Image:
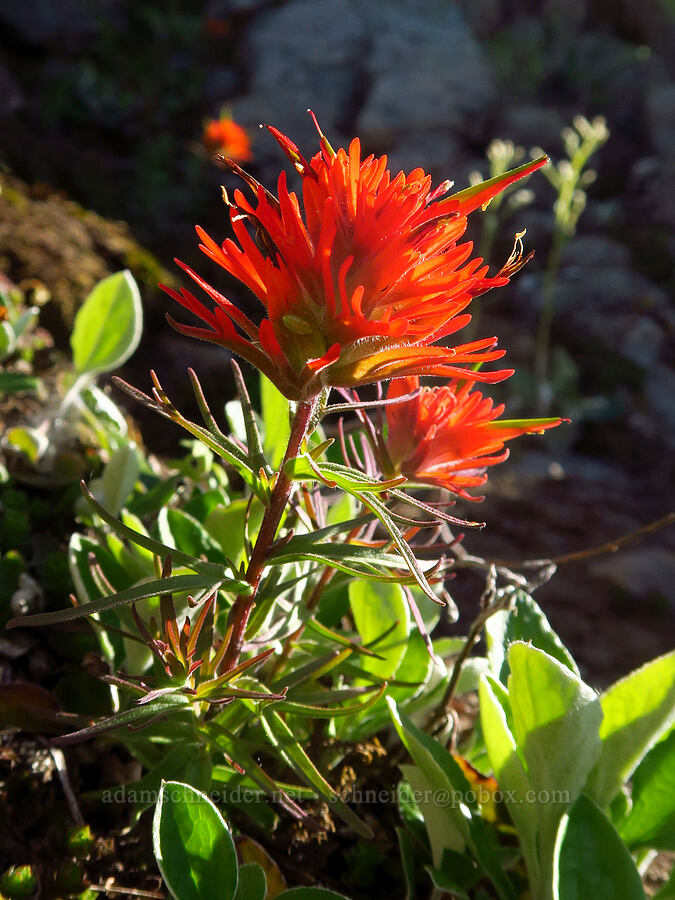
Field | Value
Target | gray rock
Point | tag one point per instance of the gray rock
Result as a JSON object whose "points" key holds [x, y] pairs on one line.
{"points": [[531, 125], [594, 250], [344, 59], [620, 309], [11, 95], [221, 9], [447, 79], [68, 22], [652, 183], [658, 394], [304, 54], [661, 118], [640, 572], [222, 82]]}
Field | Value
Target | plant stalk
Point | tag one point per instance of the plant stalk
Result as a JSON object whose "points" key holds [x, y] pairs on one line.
{"points": [[243, 605]]}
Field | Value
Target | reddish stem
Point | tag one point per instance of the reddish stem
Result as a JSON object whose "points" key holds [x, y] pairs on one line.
{"points": [[243, 605]]}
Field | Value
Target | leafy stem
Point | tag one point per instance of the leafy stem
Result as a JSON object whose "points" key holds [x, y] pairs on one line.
{"points": [[243, 605]]}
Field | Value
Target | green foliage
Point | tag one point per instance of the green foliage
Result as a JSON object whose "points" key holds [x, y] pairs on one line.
{"points": [[261, 609], [108, 325], [196, 855], [193, 847], [592, 859], [73, 416]]}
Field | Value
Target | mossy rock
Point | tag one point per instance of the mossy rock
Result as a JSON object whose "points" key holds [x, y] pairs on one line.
{"points": [[48, 238]]}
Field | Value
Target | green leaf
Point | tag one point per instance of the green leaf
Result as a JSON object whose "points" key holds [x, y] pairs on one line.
{"points": [[443, 830], [7, 340], [452, 793], [108, 325], [193, 847], [119, 477], [252, 883], [29, 441], [376, 608], [178, 529], [165, 703], [225, 524], [407, 852], [276, 421], [13, 382], [637, 710], [592, 860], [512, 778], [556, 718], [651, 822], [283, 739], [525, 622], [187, 583], [310, 893]]}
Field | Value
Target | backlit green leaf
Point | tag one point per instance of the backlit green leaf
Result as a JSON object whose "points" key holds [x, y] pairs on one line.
{"points": [[637, 710], [651, 822], [592, 860], [193, 847], [108, 325]]}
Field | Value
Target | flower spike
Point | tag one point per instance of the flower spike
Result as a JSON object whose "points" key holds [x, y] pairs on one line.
{"points": [[359, 276]]}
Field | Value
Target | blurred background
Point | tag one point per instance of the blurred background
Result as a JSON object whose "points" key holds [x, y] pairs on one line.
{"points": [[103, 106]]}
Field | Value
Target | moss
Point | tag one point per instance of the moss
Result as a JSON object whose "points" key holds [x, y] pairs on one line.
{"points": [[45, 236]]}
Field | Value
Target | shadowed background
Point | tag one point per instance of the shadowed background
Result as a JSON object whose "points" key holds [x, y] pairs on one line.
{"points": [[102, 104]]}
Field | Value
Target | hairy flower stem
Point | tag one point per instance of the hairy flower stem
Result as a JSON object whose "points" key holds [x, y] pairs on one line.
{"points": [[243, 605]]}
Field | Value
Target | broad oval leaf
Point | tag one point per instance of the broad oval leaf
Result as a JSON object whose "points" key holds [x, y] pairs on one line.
{"points": [[119, 477], [507, 766], [252, 884], [637, 710], [193, 847], [592, 860], [525, 622], [108, 325], [651, 822], [377, 607], [556, 720]]}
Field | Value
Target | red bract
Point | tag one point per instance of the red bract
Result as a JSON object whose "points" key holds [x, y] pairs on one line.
{"points": [[447, 436], [359, 282]]}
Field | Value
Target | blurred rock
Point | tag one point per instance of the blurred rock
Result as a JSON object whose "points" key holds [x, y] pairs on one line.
{"points": [[661, 118], [222, 82], [349, 73], [615, 307], [594, 251], [67, 23], [652, 187], [11, 96], [659, 393], [640, 572], [289, 72], [447, 78], [532, 126]]}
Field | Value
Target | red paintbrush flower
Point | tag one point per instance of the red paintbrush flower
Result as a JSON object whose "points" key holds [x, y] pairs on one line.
{"points": [[447, 436], [225, 136], [359, 281]]}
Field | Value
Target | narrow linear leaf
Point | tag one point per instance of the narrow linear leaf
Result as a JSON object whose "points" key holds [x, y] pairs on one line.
{"points": [[282, 737], [175, 583]]}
